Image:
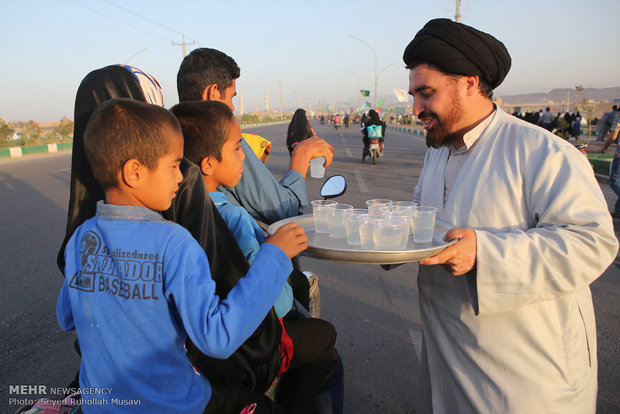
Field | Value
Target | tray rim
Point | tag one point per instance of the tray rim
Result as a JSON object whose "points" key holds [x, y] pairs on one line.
{"points": [[366, 256]]}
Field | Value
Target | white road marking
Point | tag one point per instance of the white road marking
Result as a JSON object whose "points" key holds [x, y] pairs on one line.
{"points": [[360, 181], [348, 151], [416, 340]]}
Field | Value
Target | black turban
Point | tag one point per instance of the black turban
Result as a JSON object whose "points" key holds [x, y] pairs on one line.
{"points": [[459, 49]]}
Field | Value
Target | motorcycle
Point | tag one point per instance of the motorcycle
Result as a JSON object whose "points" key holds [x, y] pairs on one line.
{"points": [[374, 150]]}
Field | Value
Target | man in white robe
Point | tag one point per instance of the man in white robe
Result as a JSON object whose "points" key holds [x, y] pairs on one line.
{"points": [[508, 320]]}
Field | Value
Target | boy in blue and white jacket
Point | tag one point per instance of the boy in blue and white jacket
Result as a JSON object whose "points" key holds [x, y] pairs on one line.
{"points": [[213, 140], [135, 285]]}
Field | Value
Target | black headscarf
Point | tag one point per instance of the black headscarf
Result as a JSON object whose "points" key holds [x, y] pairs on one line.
{"points": [[299, 128], [258, 360], [459, 49]]}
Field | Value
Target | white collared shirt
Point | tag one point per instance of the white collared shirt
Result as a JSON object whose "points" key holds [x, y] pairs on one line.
{"points": [[457, 158]]}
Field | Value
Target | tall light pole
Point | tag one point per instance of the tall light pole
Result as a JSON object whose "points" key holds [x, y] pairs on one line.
{"points": [[375, 54]]}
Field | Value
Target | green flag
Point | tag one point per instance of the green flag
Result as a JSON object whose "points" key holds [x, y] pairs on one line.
{"points": [[368, 104], [365, 92], [381, 102], [347, 103]]}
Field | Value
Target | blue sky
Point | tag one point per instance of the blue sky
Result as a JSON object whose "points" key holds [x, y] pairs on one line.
{"points": [[48, 46]]}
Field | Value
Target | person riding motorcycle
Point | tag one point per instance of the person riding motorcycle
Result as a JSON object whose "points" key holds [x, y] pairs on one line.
{"points": [[373, 119]]}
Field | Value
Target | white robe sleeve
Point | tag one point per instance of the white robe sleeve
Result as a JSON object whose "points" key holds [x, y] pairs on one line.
{"points": [[567, 244]]}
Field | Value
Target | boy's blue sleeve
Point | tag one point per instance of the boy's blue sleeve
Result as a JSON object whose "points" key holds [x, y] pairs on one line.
{"points": [[217, 327], [64, 314], [250, 237], [247, 233]]}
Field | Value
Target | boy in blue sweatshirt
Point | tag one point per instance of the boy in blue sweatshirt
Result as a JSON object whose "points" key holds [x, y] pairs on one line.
{"points": [[212, 138], [135, 285]]}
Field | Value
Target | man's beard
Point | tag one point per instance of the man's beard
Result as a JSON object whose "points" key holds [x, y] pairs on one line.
{"points": [[443, 129]]}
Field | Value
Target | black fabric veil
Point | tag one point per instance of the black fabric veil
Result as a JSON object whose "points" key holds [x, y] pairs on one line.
{"points": [[299, 128], [257, 361]]}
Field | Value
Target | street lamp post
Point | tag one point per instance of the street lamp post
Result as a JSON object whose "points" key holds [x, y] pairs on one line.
{"points": [[375, 54]]}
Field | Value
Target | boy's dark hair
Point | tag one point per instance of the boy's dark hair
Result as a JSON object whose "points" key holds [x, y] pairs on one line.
{"points": [[123, 129], [203, 67], [205, 126]]}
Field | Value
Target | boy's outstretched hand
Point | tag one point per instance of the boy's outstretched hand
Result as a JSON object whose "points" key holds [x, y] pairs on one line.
{"points": [[291, 238]]}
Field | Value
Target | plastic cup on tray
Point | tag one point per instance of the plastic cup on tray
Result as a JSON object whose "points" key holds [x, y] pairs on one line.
{"points": [[320, 214], [423, 224], [335, 221], [352, 224]]}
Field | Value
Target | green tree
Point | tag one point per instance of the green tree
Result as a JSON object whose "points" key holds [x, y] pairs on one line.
{"points": [[249, 119], [6, 133], [64, 129], [32, 132]]}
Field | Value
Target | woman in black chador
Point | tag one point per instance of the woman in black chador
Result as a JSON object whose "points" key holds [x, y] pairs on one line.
{"points": [[298, 130]]}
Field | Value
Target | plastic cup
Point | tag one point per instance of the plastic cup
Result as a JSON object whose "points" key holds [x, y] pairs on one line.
{"points": [[335, 221], [388, 233], [320, 213], [423, 224], [352, 225], [379, 206], [405, 217], [366, 230], [403, 206], [317, 170]]}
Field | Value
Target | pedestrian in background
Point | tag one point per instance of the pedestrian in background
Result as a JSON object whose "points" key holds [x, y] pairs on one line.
{"points": [[299, 129]]}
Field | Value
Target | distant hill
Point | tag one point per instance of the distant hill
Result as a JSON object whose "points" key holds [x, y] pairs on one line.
{"points": [[559, 95]]}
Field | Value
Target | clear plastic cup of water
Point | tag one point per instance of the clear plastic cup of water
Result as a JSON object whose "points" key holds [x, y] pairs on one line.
{"points": [[405, 217], [352, 225], [320, 213], [388, 233], [379, 206], [317, 170], [366, 230], [423, 224], [403, 205], [335, 221]]}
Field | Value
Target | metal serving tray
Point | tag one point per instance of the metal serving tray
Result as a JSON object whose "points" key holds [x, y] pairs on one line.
{"points": [[321, 246]]}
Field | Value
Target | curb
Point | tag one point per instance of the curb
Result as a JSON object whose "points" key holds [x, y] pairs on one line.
{"points": [[18, 152], [419, 132]]}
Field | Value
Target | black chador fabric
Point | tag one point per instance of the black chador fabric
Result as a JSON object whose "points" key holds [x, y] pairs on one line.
{"points": [[258, 360], [299, 128], [459, 49]]}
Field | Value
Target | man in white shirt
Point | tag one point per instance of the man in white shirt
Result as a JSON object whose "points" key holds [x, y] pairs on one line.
{"points": [[508, 320]]}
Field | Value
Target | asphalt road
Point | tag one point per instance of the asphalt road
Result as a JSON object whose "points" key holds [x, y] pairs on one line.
{"points": [[375, 311]]}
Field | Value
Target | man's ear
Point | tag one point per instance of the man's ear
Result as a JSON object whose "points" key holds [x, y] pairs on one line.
{"points": [[211, 93], [472, 84], [207, 166], [132, 173]]}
